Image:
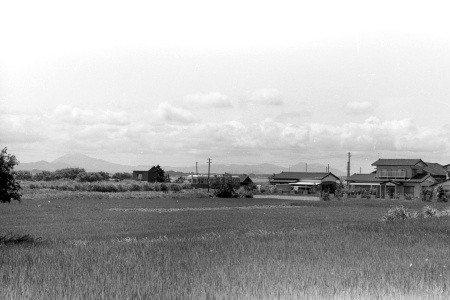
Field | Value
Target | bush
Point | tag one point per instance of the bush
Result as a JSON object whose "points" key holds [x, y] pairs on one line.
{"points": [[134, 187], [223, 186], [427, 194], [148, 187], [186, 186], [440, 193], [244, 193], [164, 187], [326, 196], [429, 211], [175, 187], [399, 213], [122, 176]]}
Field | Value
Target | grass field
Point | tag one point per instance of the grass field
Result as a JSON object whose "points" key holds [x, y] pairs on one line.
{"points": [[185, 247]]}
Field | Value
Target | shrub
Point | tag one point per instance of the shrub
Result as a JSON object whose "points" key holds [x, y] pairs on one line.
{"points": [[244, 193], [399, 213], [427, 194], [164, 187], [186, 186], [148, 187], [326, 196], [223, 186], [175, 187], [122, 176], [429, 211], [134, 187], [440, 193]]}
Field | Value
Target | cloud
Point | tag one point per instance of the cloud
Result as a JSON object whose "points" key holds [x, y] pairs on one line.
{"points": [[359, 107], [74, 115], [266, 96], [213, 99], [170, 113], [294, 115]]}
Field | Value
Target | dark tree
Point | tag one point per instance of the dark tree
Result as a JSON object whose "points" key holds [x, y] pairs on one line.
{"points": [[160, 174], [23, 175], [223, 186], [68, 173], [122, 176], [9, 187]]}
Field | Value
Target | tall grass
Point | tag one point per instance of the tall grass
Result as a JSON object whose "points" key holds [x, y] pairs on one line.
{"points": [[351, 262]]}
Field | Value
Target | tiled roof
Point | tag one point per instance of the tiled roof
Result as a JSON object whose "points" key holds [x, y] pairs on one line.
{"points": [[419, 178], [364, 178], [302, 175], [435, 169], [397, 162]]}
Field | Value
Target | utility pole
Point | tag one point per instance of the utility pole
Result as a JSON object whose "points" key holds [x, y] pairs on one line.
{"points": [[209, 169], [196, 167], [348, 165]]}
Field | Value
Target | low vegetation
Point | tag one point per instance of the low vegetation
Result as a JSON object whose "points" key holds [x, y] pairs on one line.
{"points": [[106, 186], [402, 213], [211, 248]]}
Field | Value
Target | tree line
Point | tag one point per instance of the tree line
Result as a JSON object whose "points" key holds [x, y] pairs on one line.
{"points": [[78, 174]]}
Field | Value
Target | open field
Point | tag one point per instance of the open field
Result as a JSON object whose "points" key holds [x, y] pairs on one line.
{"points": [[173, 247]]}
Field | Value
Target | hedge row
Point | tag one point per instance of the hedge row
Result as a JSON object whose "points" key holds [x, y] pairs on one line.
{"points": [[107, 186]]}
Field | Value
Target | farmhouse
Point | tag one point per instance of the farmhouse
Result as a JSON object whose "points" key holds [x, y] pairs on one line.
{"points": [[149, 175], [305, 182], [399, 178]]}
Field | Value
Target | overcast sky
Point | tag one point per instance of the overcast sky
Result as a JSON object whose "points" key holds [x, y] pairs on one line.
{"points": [[175, 82]]}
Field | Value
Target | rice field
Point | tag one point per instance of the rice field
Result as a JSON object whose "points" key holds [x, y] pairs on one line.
{"points": [[196, 247]]}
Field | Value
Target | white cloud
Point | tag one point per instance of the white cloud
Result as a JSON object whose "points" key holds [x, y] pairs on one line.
{"points": [[170, 113], [268, 96], [213, 99], [74, 115], [359, 107]]}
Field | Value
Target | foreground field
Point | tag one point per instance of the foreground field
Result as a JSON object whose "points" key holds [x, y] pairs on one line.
{"points": [[208, 248]]}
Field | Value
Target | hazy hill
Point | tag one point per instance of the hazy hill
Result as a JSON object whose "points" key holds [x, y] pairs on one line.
{"points": [[94, 165]]}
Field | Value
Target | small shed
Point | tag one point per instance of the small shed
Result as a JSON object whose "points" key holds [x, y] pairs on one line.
{"points": [[149, 176]]}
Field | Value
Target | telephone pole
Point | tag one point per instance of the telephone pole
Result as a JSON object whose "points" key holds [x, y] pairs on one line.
{"points": [[348, 165], [209, 169], [196, 168]]}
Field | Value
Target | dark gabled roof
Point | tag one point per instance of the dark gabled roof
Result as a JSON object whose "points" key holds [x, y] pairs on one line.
{"points": [[303, 175], [435, 169], [364, 178], [419, 178], [397, 162], [243, 178]]}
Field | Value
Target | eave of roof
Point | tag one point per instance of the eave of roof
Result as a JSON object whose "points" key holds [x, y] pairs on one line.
{"points": [[397, 162]]}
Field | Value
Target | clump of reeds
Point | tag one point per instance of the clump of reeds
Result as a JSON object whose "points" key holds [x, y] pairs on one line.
{"points": [[12, 238]]}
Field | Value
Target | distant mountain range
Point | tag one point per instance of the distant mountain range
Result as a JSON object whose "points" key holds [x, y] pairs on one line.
{"points": [[95, 165]]}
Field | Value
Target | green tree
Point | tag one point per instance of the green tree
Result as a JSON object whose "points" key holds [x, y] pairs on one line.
{"points": [[23, 175], [68, 173], [160, 174], [122, 176], [10, 189], [223, 186]]}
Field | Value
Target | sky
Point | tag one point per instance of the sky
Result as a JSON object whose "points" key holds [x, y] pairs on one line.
{"points": [[240, 82]]}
